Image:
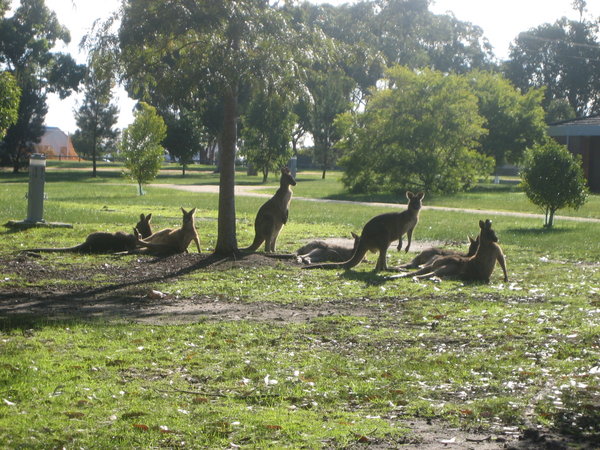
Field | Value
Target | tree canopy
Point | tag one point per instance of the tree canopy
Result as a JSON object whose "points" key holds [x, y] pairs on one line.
{"points": [[552, 179], [10, 96], [26, 42], [141, 147], [420, 132]]}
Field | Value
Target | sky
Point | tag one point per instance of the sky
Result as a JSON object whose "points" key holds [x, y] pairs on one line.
{"points": [[501, 21]]}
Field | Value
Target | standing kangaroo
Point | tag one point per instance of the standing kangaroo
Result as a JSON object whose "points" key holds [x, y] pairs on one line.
{"points": [[273, 214], [103, 242], [427, 256], [171, 240], [478, 267], [321, 251], [379, 232]]}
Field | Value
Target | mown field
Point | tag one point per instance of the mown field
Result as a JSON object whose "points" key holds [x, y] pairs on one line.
{"points": [[309, 358]]}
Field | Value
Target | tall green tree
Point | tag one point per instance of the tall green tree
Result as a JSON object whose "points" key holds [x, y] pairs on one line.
{"points": [[96, 118], [141, 146], [552, 179], [267, 131], [420, 132], [10, 96], [26, 42], [186, 50], [563, 57], [185, 138], [514, 120]]}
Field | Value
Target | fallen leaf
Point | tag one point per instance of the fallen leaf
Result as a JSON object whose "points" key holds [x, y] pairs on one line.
{"points": [[141, 426], [74, 414], [273, 427]]}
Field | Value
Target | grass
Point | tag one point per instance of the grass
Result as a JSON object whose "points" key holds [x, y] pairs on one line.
{"points": [[481, 357]]}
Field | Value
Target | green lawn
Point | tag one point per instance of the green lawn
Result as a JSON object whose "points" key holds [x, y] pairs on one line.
{"points": [[485, 358]]}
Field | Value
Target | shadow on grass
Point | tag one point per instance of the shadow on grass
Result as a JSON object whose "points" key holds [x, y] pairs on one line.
{"points": [[371, 278]]}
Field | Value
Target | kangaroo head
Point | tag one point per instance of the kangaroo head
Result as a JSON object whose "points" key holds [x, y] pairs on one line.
{"points": [[414, 200], [487, 233], [473, 245], [188, 216], [286, 177], [143, 226]]}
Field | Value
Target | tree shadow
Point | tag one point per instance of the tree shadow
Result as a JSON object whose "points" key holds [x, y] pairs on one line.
{"points": [[371, 278]]}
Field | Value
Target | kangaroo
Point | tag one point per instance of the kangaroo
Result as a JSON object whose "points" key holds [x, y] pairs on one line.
{"points": [[379, 232], [103, 242], [170, 241], [273, 214], [427, 256], [478, 267], [321, 251]]}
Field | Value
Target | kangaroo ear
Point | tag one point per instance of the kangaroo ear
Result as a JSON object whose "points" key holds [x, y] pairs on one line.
{"points": [[142, 217], [183, 210], [471, 240], [488, 223], [481, 224], [354, 235], [420, 195], [193, 211], [149, 217], [409, 195]]}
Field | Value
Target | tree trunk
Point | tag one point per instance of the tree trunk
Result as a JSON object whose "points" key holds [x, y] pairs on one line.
{"points": [[226, 230]]}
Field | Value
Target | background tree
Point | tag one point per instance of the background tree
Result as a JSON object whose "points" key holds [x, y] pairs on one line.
{"points": [[185, 136], [10, 96], [186, 50], [95, 119], [563, 57], [141, 146], [514, 121], [421, 132], [26, 41], [552, 179], [267, 131]]}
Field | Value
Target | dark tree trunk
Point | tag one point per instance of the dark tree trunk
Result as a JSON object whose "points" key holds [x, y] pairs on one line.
{"points": [[226, 237]]}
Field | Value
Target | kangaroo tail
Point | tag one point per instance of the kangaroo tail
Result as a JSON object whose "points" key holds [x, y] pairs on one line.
{"points": [[255, 244], [76, 248], [357, 257]]}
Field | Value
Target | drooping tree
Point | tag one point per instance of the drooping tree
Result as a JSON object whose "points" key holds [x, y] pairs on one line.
{"points": [[95, 119], [196, 49], [26, 42]]}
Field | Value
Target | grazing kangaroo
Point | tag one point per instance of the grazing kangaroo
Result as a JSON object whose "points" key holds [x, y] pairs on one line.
{"points": [[103, 242], [379, 232], [427, 256], [321, 251], [170, 241], [273, 214], [478, 267]]}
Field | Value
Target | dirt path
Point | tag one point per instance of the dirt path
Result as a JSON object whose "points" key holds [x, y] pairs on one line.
{"points": [[254, 191]]}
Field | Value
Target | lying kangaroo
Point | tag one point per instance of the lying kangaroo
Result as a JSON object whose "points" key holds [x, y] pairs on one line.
{"points": [[478, 267], [427, 256], [103, 242], [171, 240], [321, 251], [380, 232], [273, 214]]}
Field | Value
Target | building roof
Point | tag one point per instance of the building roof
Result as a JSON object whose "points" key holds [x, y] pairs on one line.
{"points": [[584, 126]]}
